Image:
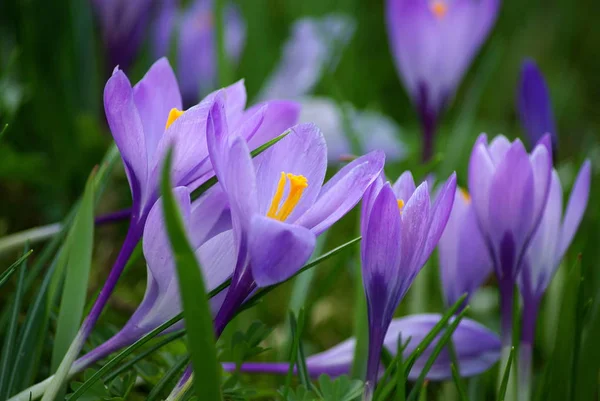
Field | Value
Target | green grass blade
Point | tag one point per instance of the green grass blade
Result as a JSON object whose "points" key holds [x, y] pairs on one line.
{"points": [[506, 375], [7, 360], [6, 274], [164, 381], [213, 180], [462, 395], [196, 309], [78, 255], [301, 359], [433, 334], [446, 336], [399, 378]]}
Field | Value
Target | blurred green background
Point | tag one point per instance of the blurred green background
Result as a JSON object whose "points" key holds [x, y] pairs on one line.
{"points": [[52, 72]]}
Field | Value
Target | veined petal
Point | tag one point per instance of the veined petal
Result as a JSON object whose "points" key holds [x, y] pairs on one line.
{"points": [[575, 208], [155, 95], [302, 152], [414, 234], [128, 132], [498, 148], [342, 192], [481, 172], [440, 212], [404, 186], [277, 250], [541, 166], [279, 116], [210, 216]]}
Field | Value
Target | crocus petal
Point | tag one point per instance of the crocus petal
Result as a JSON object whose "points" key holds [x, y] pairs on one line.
{"points": [[481, 171], [404, 186], [416, 211], [440, 212], [277, 250], [498, 148], [279, 116], [541, 164], [162, 35], [575, 207], [127, 130], [534, 106], [477, 349], [210, 216], [302, 152], [217, 257], [342, 192], [377, 131], [155, 95], [511, 203]]}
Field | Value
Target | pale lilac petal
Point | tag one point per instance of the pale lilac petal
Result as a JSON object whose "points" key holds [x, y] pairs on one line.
{"points": [[217, 257], [541, 164], [127, 130], [342, 192], [368, 199], [376, 131], [279, 116], [414, 213], [325, 114], [210, 216], [575, 208], [438, 218], [234, 97], [481, 172], [404, 186], [302, 152], [498, 148], [277, 250], [162, 35], [155, 95]]}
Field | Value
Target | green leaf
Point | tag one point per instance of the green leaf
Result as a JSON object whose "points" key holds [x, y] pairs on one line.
{"points": [[78, 258], [176, 369], [400, 377], [446, 336], [5, 276], [196, 309], [7, 358], [341, 389], [506, 375], [462, 395]]}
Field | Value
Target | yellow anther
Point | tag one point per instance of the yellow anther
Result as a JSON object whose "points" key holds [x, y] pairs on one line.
{"points": [[298, 184], [174, 114], [466, 196], [439, 8], [400, 205]]}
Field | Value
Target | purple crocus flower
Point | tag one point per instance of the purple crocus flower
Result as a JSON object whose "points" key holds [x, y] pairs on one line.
{"points": [[477, 349], [534, 106], [433, 42], [543, 257], [124, 25], [279, 204], [400, 228], [313, 48], [509, 189], [463, 257], [193, 31]]}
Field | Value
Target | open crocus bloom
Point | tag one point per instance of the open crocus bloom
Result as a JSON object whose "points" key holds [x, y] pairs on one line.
{"points": [[400, 228], [477, 349], [463, 257], [279, 203], [147, 119], [534, 105], [193, 29]]}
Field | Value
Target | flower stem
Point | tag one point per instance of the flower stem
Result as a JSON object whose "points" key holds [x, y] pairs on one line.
{"points": [[530, 312]]}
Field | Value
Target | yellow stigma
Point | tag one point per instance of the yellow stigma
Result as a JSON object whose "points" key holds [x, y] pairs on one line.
{"points": [[174, 114], [466, 196], [298, 184], [400, 205], [439, 8]]}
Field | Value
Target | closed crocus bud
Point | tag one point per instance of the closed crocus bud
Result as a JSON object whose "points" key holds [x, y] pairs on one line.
{"points": [[477, 349], [192, 30], [400, 227], [534, 105], [509, 190], [463, 257], [433, 43]]}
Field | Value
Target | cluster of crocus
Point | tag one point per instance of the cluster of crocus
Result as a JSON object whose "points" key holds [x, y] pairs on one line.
{"points": [[433, 42]]}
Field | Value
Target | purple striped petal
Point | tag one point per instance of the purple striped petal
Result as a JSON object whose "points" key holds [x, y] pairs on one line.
{"points": [[575, 207], [279, 116], [404, 186]]}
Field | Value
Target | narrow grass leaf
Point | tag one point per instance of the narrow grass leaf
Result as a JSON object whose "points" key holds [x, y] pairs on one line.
{"points": [[446, 336], [6, 275], [164, 381], [196, 309], [506, 375], [400, 379], [7, 358], [78, 257], [462, 395]]}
